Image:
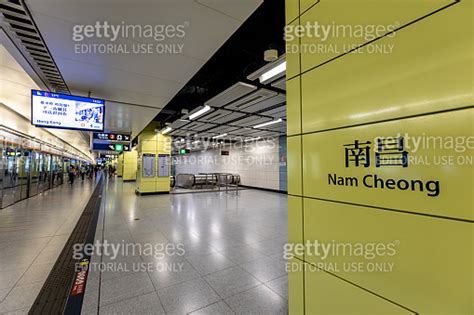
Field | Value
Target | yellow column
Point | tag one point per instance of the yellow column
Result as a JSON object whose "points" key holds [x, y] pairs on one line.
{"points": [[409, 83], [151, 146]]}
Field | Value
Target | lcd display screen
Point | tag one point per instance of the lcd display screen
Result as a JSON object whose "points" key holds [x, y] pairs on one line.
{"points": [[55, 110]]}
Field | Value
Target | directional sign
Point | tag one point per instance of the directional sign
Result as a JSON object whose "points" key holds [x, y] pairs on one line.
{"points": [[110, 147], [119, 137]]}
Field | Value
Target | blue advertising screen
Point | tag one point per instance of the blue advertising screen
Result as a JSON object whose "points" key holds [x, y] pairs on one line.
{"points": [[55, 110]]}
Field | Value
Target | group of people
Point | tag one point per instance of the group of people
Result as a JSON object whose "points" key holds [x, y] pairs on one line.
{"points": [[89, 171]]}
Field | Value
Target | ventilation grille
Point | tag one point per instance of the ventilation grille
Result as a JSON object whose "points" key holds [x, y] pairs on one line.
{"points": [[24, 32]]}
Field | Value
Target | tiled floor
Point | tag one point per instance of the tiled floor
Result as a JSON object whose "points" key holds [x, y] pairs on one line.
{"points": [[231, 264], [32, 234]]}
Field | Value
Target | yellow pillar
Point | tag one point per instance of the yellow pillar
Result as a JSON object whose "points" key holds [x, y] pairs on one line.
{"points": [[403, 86], [130, 165], [153, 149]]}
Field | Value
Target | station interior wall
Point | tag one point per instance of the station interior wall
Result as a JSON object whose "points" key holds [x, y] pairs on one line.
{"points": [[422, 87], [257, 163]]}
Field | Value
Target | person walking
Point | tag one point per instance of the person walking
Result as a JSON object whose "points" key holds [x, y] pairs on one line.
{"points": [[82, 172], [72, 174]]}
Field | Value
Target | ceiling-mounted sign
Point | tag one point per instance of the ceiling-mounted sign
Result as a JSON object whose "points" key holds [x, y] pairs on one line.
{"points": [[118, 147], [56, 110], [112, 136]]}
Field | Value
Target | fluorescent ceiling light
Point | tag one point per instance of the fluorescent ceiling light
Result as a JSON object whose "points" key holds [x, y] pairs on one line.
{"points": [[219, 136], [205, 109], [166, 130], [268, 123], [273, 72]]}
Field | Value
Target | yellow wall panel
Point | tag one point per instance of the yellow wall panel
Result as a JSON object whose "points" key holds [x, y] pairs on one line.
{"points": [[130, 165], [294, 165], [306, 4], [326, 294], [295, 221], [373, 18], [426, 72], [291, 10], [295, 287], [148, 146], [293, 54], [427, 262], [293, 106], [441, 172]]}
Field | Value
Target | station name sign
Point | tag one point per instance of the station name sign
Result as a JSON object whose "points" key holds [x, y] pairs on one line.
{"points": [[389, 152]]}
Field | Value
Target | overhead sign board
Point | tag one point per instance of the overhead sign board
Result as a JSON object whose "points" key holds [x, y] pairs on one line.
{"points": [[118, 147], [112, 136], [56, 110]]}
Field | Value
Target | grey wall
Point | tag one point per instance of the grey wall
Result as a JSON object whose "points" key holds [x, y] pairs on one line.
{"points": [[258, 163]]}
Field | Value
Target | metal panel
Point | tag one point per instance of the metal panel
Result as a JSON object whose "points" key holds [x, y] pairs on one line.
{"points": [[280, 84], [222, 129], [251, 99], [251, 121], [279, 112], [237, 90], [268, 103], [228, 118], [243, 132], [179, 123], [180, 133], [214, 116], [198, 126]]}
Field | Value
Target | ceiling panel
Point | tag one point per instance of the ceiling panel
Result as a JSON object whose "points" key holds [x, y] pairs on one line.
{"points": [[215, 115], [265, 134], [277, 127], [223, 129], [179, 123], [228, 118], [198, 126], [243, 103], [251, 121], [280, 84], [229, 7], [237, 90], [130, 78], [206, 134], [279, 112], [179, 133], [243, 131], [268, 103]]}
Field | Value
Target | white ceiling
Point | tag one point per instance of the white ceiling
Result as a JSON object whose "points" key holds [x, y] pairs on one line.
{"points": [[15, 92], [138, 85]]}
